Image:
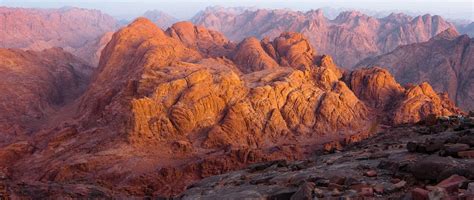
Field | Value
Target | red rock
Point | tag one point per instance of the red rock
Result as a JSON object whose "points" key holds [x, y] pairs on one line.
{"points": [[419, 194], [379, 189], [452, 183], [366, 192], [333, 186], [466, 154], [400, 184], [371, 173], [395, 180]]}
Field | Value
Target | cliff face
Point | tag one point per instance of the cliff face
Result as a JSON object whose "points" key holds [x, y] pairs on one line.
{"points": [[69, 28], [446, 62], [34, 85], [350, 37], [166, 108]]}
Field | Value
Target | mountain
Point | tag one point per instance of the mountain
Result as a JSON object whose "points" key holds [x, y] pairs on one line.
{"points": [[68, 28], [466, 29], [167, 108], [445, 61], [162, 19], [349, 38], [34, 85]]}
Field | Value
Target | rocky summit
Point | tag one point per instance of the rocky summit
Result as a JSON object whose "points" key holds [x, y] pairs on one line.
{"points": [[166, 108]]}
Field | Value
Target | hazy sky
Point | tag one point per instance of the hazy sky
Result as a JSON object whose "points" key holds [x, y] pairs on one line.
{"points": [[184, 9]]}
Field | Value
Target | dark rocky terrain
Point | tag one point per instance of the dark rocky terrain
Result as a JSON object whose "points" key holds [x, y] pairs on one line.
{"points": [[431, 160]]}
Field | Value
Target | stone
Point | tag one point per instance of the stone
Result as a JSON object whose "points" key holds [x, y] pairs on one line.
{"points": [[304, 192], [419, 194], [412, 146], [437, 193], [379, 188], [337, 180], [371, 173], [452, 183], [395, 180], [400, 184], [333, 186], [430, 168], [335, 193], [453, 149], [466, 154], [470, 188], [366, 192], [318, 193]]}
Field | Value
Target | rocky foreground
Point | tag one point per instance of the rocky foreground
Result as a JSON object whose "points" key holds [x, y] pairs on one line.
{"points": [[430, 161]]}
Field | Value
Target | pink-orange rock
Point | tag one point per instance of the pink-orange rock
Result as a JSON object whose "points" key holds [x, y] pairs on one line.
{"points": [[161, 113], [445, 62], [33, 86], [73, 29], [208, 42], [349, 38]]}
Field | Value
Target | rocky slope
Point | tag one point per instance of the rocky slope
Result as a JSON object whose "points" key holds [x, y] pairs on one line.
{"points": [[160, 18], [350, 37], [446, 62], [69, 28], [167, 108], [430, 161], [34, 85]]}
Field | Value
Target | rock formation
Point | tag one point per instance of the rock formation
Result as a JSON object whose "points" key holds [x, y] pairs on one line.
{"points": [[165, 108], [445, 61], [349, 38], [34, 85], [68, 28]]}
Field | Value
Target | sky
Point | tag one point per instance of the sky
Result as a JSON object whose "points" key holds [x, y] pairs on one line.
{"points": [[185, 9]]}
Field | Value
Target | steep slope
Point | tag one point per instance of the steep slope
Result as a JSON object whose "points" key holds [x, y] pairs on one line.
{"points": [[446, 62], [38, 29], [33, 86], [350, 37], [160, 18], [161, 113]]}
